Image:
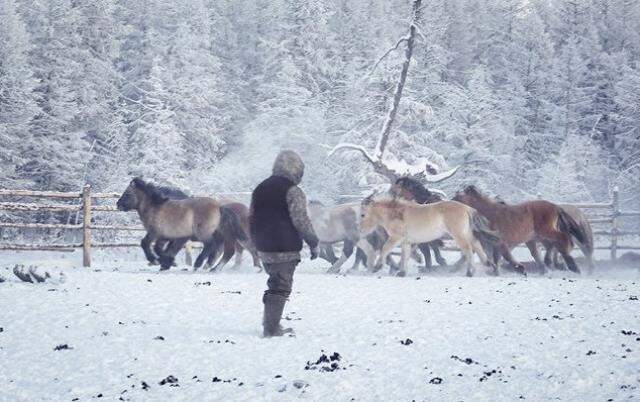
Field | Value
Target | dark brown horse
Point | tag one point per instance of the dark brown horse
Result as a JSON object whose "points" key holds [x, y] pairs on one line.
{"points": [[232, 244], [527, 223], [195, 218], [412, 190], [551, 256]]}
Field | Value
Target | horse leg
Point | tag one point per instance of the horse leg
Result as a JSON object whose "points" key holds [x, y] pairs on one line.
{"points": [[327, 253], [387, 248], [229, 251], [424, 248], [367, 255], [479, 250], [533, 249], [549, 254], [239, 251], [347, 249], [406, 251], [562, 242], [436, 253], [206, 250], [166, 260], [506, 253], [145, 243], [466, 248]]}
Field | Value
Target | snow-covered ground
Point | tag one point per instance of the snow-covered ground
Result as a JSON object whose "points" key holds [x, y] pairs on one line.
{"points": [[438, 337]]}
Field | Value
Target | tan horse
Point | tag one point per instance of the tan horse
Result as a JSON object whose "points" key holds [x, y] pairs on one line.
{"points": [[195, 218], [527, 223], [409, 223]]}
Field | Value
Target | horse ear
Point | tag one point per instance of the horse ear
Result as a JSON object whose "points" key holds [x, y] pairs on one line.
{"points": [[138, 182]]}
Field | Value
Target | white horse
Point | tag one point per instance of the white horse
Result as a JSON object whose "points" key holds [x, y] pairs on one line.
{"points": [[338, 224]]}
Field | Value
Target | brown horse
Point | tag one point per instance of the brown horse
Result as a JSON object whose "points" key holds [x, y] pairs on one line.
{"points": [[410, 223], [194, 218], [527, 223], [231, 244]]}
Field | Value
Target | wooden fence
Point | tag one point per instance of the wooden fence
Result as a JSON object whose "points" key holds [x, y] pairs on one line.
{"points": [[608, 214]]}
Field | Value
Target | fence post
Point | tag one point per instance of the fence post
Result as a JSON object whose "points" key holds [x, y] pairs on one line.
{"points": [[86, 226], [615, 205]]}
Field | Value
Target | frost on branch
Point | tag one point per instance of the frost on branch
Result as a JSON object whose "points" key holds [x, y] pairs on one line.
{"points": [[392, 168]]}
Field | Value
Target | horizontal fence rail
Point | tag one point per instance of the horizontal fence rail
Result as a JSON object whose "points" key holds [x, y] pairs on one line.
{"points": [[598, 213]]}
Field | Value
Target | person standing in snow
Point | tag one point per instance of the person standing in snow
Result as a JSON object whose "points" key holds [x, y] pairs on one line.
{"points": [[278, 224]]}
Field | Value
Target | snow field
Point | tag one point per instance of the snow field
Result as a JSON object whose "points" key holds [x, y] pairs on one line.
{"points": [[440, 337]]}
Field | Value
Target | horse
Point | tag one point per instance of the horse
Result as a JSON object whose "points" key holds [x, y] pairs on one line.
{"points": [[410, 223], [333, 225], [194, 218], [231, 244], [551, 255], [412, 190], [527, 223], [160, 245]]}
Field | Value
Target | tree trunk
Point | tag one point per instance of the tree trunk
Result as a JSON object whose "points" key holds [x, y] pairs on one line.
{"points": [[386, 128]]}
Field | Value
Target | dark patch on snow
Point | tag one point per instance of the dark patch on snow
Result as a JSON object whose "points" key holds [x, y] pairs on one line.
{"points": [[635, 298], [217, 379], [171, 380], [623, 332], [144, 386], [466, 360], [406, 342], [219, 341], [63, 346], [159, 338], [591, 352], [435, 380], [207, 283], [233, 292], [326, 363], [149, 280], [487, 374]]}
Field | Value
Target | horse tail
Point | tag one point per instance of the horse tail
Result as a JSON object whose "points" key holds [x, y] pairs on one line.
{"points": [[230, 224], [481, 229], [568, 225]]}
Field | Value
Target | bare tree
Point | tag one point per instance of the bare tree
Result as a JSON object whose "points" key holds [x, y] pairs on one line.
{"points": [[376, 160]]}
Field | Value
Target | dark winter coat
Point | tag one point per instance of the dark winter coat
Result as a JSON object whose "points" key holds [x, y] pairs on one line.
{"points": [[279, 221]]}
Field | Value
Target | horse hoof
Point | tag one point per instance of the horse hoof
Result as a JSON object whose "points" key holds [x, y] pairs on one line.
{"points": [[152, 263], [401, 274]]}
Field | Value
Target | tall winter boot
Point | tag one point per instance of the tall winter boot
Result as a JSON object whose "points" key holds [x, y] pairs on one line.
{"points": [[273, 308]]}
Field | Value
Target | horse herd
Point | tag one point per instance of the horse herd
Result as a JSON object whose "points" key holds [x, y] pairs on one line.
{"points": [[408, 215]]}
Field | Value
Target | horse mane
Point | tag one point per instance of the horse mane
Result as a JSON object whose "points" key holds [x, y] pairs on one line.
{"points": [[419, 191], [172, 193], [473, 191], [159, 194]]}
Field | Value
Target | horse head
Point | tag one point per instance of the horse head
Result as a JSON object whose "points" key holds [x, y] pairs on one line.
{"points": [[139, 190], [129, 200], [413, 190]]}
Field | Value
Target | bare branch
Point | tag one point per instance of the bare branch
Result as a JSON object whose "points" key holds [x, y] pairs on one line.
{"points": [[395, 47], [437, 178], [353, 147]]}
